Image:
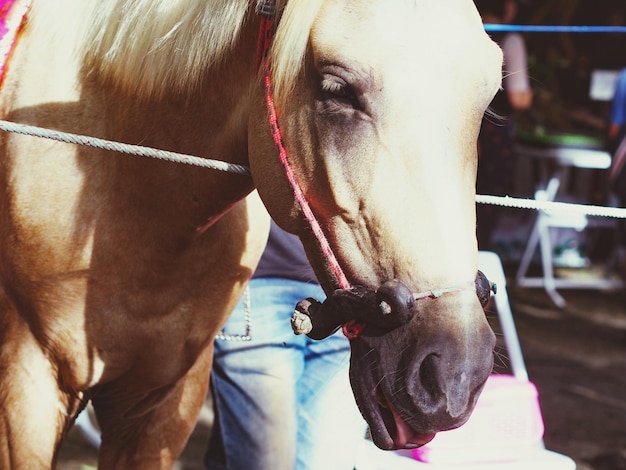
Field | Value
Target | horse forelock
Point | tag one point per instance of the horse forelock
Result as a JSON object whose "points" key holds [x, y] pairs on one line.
{"points": [[154, 47], [290, 42]]}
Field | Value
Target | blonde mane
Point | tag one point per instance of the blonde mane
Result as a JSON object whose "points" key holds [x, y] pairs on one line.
{"points": [[154, 47], [290, 43]]}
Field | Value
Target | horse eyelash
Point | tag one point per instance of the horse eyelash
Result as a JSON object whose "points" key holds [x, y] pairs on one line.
{"points": [[340, 94], [330, 86]]}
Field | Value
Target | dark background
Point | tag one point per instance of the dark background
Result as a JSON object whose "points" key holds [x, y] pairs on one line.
{"points": [[560, 64]]}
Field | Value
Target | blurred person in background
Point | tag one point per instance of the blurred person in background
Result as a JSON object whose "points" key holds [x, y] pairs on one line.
{"points": [[617, 142], [617, 124], [496, 159]]}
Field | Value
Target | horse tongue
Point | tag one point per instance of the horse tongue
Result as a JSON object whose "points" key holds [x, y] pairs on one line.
{"points": [[406, 437]]}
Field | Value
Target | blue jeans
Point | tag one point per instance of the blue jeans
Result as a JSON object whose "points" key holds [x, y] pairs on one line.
{"points": [[282, 401]]}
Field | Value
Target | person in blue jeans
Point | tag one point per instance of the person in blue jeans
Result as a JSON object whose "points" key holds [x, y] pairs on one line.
{"points": [[282, 401]]}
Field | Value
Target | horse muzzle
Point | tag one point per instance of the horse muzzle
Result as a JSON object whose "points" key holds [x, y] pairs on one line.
{"points": [[425, 376]]}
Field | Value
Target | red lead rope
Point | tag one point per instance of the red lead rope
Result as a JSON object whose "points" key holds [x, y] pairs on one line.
{"points": [[353, 328]]}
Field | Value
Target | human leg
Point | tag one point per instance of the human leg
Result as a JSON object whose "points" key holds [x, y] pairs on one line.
{"points": [[253, 382], [330, 427]]}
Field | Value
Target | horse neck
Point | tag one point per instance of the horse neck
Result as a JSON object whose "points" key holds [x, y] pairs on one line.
{"points": [[211, 122]]}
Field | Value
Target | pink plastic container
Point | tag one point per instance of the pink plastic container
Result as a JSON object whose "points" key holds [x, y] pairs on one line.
{"points": [[506, 423]]}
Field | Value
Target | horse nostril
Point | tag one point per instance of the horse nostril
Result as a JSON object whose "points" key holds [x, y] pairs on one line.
{"points": [[428, 377]]}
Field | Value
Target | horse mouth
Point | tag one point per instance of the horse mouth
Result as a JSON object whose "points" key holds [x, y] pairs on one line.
{"points": [[393, 432]]}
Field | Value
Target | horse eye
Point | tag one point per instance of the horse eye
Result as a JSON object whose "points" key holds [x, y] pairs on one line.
{"points": [[334, 87], [338, 93]]}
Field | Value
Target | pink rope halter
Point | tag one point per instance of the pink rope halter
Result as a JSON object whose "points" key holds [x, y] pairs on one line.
{"points": [[266, 9]]}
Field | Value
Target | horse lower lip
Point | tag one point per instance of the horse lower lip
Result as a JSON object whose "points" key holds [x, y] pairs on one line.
{"points": [[389, 430], [401, 435]]}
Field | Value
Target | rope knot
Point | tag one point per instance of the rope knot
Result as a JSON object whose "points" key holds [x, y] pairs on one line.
{"points": [[436, 293]]}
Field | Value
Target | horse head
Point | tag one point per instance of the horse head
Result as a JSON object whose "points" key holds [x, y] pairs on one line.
{"points": [[381, 122]]}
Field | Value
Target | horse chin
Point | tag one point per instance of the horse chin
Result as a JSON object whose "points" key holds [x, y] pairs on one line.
{"points": [[397, 420], [396, 431], [388, 429]]}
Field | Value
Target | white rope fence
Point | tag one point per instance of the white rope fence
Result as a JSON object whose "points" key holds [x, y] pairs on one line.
{"points": [[553, 206], [531, 204], [123, 148]]}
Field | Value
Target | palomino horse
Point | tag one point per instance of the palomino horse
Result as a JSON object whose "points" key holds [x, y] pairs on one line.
{"points": [[117, 272]]}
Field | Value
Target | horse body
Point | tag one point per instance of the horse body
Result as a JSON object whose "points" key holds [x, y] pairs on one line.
{"points": [[101, 290], [117, 272]]}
